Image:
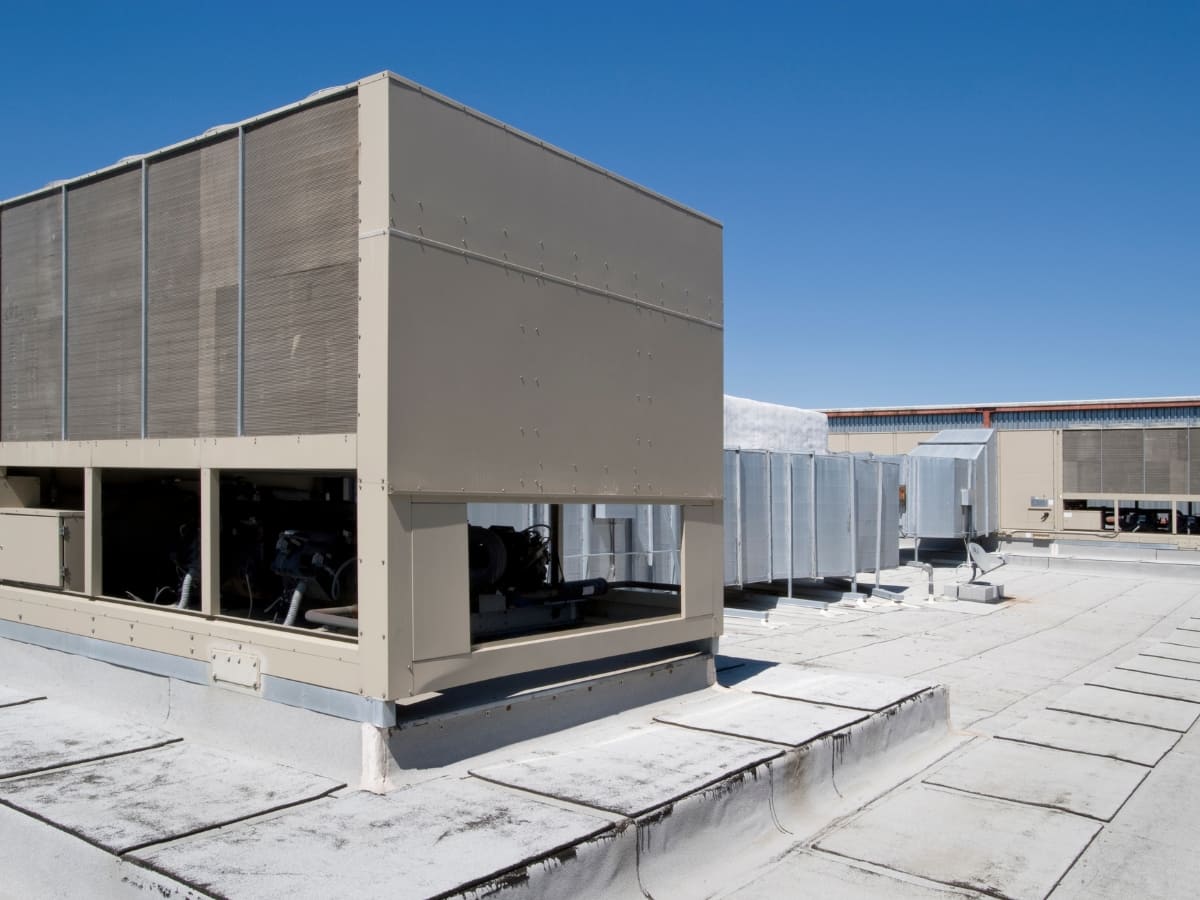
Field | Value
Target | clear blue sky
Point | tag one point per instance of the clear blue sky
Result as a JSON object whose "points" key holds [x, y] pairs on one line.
{"points": [[924, 202]]}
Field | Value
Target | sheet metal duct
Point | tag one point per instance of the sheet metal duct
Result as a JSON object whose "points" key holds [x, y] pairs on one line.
{"points": [[787, 515], [952, 486], [808, 515]]}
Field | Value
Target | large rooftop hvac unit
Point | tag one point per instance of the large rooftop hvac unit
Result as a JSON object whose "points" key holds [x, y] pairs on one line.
{"points": [[261, 375], [952, 489]]}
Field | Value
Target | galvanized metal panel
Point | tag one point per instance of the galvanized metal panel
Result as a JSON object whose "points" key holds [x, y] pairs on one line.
{"points": [[804, 518], [31, 313], [835, 550], [780, 519], [732, 514], [301, 272], [756, 516], [104, 309], [192, 302], [866, 511]]}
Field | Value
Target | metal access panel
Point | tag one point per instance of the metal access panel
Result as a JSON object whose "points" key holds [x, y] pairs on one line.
{"points": [[583, 313], [43, 547], [935, 495]]}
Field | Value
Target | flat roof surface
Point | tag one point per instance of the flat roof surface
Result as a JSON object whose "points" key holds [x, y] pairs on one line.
{"points": [[1070, 769]]}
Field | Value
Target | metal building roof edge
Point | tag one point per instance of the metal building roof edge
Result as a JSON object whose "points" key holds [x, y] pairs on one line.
{"points": [[1019, 406]]}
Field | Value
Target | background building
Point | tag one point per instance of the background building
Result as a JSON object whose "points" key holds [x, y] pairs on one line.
{"points": [[1127, 470]]}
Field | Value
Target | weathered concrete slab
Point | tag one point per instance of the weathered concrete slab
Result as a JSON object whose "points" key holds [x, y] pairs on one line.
{"points": [[1087, 734], [763, 718], [142, 798], [423, 841], [1123, 706], [1001, 848], [1151, 685], [831, 878], [1059, 779], [1174, 651], [46, 734], [1156, 665], [867, 692], [637, 771], [9, 697], [1183, 638], [1120, 865]]}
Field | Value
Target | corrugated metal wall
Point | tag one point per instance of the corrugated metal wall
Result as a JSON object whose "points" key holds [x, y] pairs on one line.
{"points": [[166, 240], [31, 320], [302, 272]]}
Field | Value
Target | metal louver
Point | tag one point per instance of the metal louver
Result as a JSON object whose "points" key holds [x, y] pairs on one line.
{"points": [[31, 313], [1166, 460], [301, 272], [1081, 460], [1121, 453], [192, 303], [104, 304]]}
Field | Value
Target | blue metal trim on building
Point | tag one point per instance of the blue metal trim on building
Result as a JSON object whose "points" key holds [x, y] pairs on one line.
{"points": [[1021, 420]]}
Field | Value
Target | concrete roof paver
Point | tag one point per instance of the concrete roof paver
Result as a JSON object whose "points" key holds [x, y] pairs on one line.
{"points": [[1086, 734], [418, 842], [1093, 786], [1126, 706], [762, 718], [47, 734], [140, 798], [636, 771], [963, 840]]}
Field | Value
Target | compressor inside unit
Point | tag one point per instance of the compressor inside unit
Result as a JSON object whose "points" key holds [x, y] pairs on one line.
{"points": [[286, 542]]}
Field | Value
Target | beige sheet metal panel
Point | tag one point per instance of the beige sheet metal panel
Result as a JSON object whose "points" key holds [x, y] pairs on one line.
{"points": [[441, 616], [573, 384], [42, 547], [1026, 471], [508, 385]]}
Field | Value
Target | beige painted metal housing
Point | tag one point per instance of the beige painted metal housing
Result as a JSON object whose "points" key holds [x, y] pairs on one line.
{"points": [[531, 328]]}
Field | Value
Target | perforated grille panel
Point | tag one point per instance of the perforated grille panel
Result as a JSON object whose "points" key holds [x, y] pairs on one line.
{"points": [[1123, 469], [301, 206], [193, 293], [31, 316], [1122, 462], [1081, 460], [1166, 461], [104, 308]]}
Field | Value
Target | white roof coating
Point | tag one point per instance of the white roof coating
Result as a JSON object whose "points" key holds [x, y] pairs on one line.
{"points": [[1061, 771], [755, 425]]}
